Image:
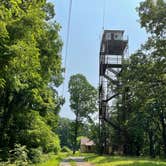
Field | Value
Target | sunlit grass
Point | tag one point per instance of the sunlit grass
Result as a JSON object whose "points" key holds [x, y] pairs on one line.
{"points": [[123, 161], [53, 160], [97, 160]]}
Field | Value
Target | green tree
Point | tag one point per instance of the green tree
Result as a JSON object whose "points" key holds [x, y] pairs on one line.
{"points": [[31, 70], [64, 131], [153, 19], [83, 101], [141, 110]]}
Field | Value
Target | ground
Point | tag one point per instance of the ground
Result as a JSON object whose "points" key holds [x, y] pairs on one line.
{"points": [[75, 161], [124, 161], [96, 160]]}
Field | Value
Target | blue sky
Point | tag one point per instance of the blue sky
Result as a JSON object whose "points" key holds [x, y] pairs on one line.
{"points": [[85, 35]]}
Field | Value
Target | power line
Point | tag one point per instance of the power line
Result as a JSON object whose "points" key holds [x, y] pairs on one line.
{"points": [[103, 19], [104, 9], [67, 44]]}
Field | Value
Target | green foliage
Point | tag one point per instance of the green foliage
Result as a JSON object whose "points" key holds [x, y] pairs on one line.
{"points": [[19, 156], [30, 72], [140, 112], [65, 149], [40, 135], [64, 131], [52, 159], [35, 155], [83, 96], [152, 16], [83, 102]]}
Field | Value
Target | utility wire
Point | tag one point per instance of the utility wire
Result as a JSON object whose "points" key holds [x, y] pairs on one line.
{"points": [[103, 19], [104, 9], [67, 44]]}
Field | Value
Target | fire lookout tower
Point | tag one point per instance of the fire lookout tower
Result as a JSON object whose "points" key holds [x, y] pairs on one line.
{"points": [[112, 51]]}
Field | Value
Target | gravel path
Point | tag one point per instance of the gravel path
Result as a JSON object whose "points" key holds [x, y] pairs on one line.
{"points": [[79, 161], [65, 162]]}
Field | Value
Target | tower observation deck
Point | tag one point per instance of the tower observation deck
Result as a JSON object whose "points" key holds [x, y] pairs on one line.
{"points": [[112, 51]]}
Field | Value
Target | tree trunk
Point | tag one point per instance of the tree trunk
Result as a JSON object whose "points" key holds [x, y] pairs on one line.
{"points": [[5, 118], [151, 144], [75, 133], [9, 108], [163, 131], [138, 149]]}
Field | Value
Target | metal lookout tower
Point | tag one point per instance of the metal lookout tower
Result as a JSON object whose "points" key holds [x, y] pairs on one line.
{"points": [[112, 52]]}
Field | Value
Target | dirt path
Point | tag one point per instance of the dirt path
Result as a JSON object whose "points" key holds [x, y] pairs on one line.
{"points": [[79, 161], [65, 162]]}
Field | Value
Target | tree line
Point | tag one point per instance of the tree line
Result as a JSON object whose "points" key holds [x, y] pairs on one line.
{"points": [[30, 71], [139, 114]]}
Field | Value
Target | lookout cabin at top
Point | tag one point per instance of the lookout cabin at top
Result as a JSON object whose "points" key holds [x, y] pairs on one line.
{"points": [[113, 42]]}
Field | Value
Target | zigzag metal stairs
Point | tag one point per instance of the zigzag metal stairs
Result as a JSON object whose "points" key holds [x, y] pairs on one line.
{"points": [[112, 50]]}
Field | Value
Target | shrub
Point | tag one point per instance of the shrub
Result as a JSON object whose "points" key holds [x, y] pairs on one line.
{"points": [[4, 154], [39, 135], [18, 155], [35, 155]]}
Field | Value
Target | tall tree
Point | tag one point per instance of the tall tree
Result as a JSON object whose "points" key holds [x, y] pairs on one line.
{"points": [[30, 64], [83, 101], [144, 88], [153, 19]]}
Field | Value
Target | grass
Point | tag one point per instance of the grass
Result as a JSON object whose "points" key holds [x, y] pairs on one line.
{"points": [[52, 160], [123, 161]]}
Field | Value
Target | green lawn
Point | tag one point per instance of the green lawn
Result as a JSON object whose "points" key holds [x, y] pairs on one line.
{"points": [[52, 160], [104, 160], [123, 161]]}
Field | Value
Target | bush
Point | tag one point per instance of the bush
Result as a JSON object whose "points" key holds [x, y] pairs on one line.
{"points": [[18, 155], [4, 154], [65, 149], [39, 135], [35, 155]]}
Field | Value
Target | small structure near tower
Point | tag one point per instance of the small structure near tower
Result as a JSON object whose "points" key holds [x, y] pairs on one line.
{"points": [[87, 145], [112, 51]]}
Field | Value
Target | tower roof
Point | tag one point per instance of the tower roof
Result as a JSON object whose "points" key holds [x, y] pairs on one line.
{"points": [[114, 31]]}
